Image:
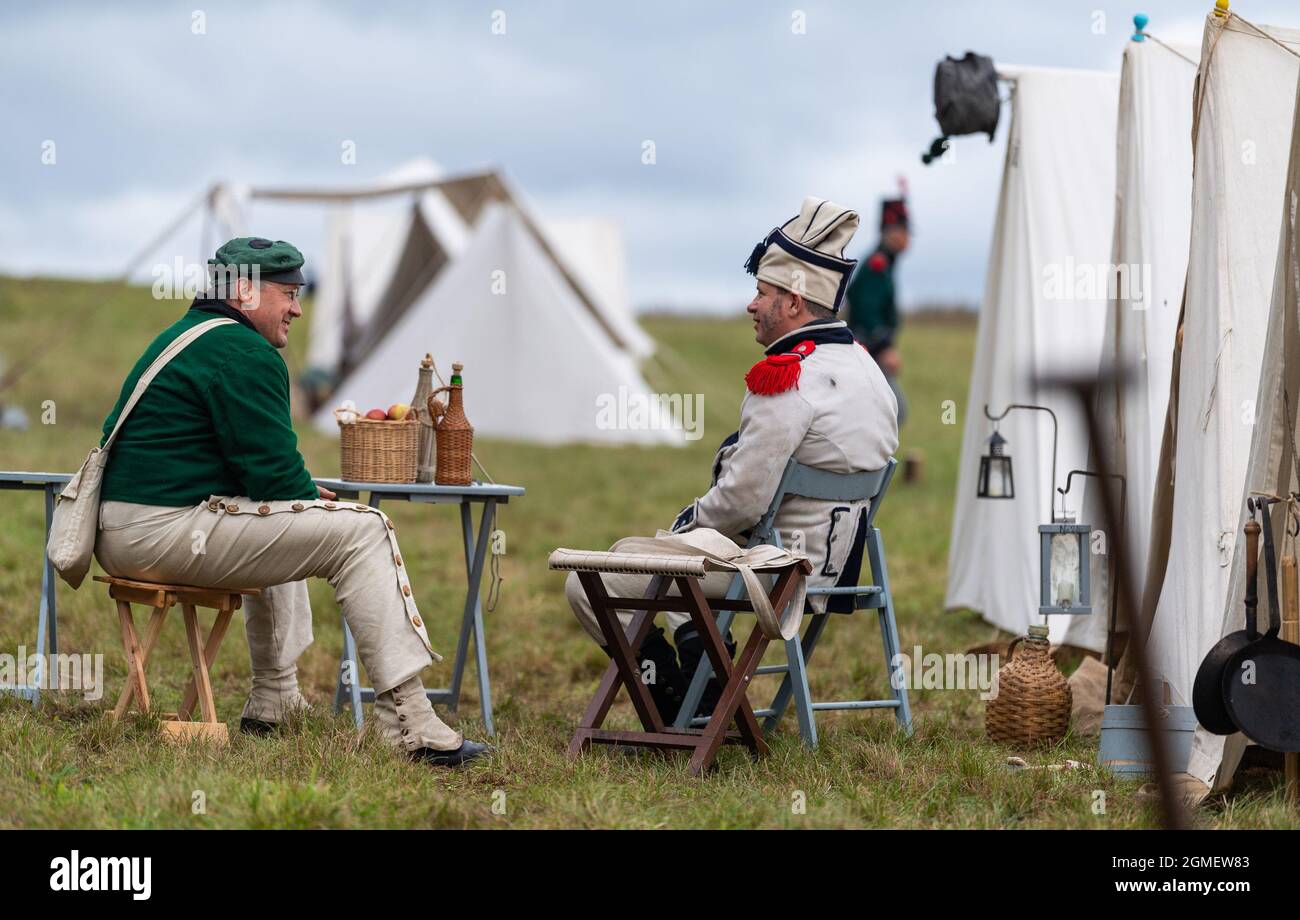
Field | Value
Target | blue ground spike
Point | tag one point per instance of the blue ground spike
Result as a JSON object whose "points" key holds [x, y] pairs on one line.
{"points": [[1139, 24]]}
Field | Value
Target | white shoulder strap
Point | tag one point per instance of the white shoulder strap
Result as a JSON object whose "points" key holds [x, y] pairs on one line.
{"points": [[175, 347]]}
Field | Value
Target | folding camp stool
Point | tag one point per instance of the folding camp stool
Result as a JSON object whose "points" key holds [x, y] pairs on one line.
{"points": [[685, 572], [162, 597], [809, 482]]}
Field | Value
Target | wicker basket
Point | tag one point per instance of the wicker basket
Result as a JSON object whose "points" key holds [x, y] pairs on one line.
{"points": [[375, 451], [1033, 699]]}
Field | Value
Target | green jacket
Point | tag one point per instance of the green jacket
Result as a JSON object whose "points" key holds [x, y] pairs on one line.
{"points": [[873, 316], [215, 421]]}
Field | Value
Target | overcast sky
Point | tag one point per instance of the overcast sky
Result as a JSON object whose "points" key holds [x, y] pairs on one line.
{"points": [[747, 115]]}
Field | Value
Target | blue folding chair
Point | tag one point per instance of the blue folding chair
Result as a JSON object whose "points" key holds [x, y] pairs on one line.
{"points": [[818, 484]]}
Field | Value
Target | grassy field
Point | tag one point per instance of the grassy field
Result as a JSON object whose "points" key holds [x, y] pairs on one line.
{"points": [[65, 765]]}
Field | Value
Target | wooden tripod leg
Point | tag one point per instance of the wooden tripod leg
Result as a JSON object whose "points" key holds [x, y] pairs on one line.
{"points": [[206, 704], [219, 626], [733, 694], [134, 657], [603, 699], [621, 650], [150, 637], [721, 661], [733, 697]]}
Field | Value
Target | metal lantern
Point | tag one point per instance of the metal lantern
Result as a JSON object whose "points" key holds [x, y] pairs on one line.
{"points": [[995, 479], [1064, 575]]}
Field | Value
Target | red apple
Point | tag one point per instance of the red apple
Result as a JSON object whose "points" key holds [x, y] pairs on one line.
{"points": [[378, 415]]}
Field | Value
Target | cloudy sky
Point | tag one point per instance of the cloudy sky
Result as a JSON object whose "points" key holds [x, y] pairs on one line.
{"points": [[750, 107]]}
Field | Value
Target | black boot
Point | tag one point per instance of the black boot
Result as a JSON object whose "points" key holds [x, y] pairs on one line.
{"points": [[667, 687], [690, 649]]}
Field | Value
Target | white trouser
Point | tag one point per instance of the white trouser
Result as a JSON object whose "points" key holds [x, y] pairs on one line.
{"points": [[232, 542]]}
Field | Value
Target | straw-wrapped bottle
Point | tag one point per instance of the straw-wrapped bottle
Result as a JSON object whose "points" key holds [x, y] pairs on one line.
{"points": [[454, 433], [1032, 705]]}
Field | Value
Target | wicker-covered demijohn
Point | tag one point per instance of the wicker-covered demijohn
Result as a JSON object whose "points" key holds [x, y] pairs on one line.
{"points": [[375, 451], [1032, 701], [455, 435]]}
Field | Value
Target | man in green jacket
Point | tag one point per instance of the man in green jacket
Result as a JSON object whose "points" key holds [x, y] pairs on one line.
{"points": [[205, 486], [873, 314]]}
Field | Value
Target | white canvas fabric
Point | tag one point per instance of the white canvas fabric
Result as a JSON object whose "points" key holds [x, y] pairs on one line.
{"points": [[593, 248], [1153, 215], [1054, 220], [538, 367], [379, 256], [1243, 122], [1226, 409]]}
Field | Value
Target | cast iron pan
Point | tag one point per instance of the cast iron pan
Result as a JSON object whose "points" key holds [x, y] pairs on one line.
{"points": [[1207, 690], [1261, 681]]}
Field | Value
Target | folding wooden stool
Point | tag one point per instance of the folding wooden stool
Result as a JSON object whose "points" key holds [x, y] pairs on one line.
{"points": [[685, 572], [162, 597]]}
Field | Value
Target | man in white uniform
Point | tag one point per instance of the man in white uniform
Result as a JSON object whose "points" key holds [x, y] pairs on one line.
{"points": [[817, 396]]}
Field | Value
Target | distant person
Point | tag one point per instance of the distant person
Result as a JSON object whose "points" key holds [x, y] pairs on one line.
{"points": [[205, 486], [816, 397], [873, 314]]}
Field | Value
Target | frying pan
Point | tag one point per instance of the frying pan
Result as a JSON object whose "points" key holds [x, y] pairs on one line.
{"points": [[1261, 681], [1207, 689]]}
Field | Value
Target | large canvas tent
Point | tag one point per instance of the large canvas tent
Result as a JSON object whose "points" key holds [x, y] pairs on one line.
{"points": [[1153, 215], [388, 241], [1243, 137], [538, 366], [379, 255], [1040, 314]]}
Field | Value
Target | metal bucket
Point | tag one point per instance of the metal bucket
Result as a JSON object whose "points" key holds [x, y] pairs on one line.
{"points": [[1124, 750]]}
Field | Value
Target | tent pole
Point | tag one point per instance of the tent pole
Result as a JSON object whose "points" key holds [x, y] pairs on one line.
{"points": [[161, 238]]}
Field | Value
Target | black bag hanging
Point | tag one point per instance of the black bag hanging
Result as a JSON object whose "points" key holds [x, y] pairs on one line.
{"points": [[966, 100]]}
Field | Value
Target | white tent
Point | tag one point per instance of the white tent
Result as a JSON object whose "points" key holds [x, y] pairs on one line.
{"points": [[1042, 313], [388, 241], [594, 248], [538, 365], [379, 256], [1243, 119], [1153, 215]]}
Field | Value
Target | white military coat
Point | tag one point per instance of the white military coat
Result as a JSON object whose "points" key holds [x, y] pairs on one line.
{"points": [[820, 398]]}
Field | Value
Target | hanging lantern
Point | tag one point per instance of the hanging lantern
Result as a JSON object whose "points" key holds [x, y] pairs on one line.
{"points": [[995, 479], [1064, 573]]}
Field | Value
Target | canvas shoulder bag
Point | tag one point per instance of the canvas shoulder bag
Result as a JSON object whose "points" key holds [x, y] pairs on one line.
{"points": [[76, 514]]}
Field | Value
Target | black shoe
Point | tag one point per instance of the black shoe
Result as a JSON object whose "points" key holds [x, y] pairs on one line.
{"points": [[668, 688], [468, 750], [690, 649], [257, 728]]}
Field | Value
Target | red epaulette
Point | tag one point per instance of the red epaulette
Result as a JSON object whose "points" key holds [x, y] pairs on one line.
{"points": [[778, 373]]}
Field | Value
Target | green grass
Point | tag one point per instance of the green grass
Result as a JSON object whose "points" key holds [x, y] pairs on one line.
{"points": [[65, 765]]}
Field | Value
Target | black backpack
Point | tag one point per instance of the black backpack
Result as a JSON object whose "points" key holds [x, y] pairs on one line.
{"points": [[966, 100]]}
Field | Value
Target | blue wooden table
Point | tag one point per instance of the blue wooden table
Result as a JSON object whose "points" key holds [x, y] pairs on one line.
{"points": [[426, 493], [47, 623]]}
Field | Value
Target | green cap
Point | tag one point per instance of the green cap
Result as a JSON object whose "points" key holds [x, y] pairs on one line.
{"points": [[274, 260]]}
